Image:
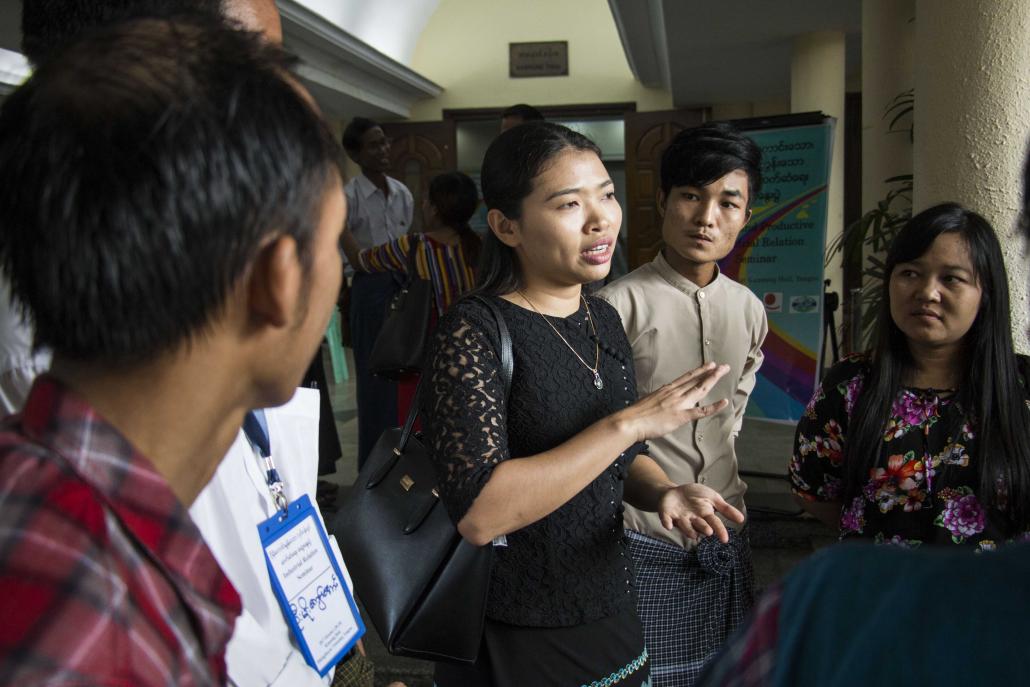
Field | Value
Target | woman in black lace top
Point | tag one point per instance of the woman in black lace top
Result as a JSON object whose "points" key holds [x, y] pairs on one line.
{"points": [[542, 471]]}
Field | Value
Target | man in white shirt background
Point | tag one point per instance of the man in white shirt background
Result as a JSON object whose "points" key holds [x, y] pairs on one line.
{"points": [[379, 209]]}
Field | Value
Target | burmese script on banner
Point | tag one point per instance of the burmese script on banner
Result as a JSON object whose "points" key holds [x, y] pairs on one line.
{"points": [[780, 257]]}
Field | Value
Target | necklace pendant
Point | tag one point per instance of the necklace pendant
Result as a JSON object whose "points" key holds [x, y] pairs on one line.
{"points": [[597, 380]]}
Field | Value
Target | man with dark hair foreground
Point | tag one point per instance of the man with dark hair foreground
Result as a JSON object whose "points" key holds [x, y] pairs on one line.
{"points": [[147, 231], [47, 26]]}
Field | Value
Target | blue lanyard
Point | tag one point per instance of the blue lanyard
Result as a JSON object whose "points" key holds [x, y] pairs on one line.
{"points": [[255, 426]]}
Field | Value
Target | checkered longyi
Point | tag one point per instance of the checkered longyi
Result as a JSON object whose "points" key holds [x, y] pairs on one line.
{"points": [[690, 601]]}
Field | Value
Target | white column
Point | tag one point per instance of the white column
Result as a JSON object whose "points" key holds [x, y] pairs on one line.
{"points": [[888, 38], [817, 83], [972, 80]]}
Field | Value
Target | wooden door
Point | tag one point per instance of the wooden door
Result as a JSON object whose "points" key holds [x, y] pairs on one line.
{"points": [[647, 134], [418, 152]]}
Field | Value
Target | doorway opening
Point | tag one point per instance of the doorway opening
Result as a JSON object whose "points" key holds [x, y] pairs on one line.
{"points": [[604, 124]]}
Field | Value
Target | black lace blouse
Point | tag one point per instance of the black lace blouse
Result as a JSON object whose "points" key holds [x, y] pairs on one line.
{"points": [[571, 567]]}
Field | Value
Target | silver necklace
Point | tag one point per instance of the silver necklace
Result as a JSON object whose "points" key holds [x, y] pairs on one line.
{"points": [[598, 383]]}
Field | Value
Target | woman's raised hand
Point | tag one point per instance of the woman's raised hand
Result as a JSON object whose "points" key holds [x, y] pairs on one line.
{"points": [[674, 404]]}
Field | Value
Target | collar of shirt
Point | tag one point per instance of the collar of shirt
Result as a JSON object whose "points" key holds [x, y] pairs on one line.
{"points": [[139, 497], [368, 188], [669, 274]]}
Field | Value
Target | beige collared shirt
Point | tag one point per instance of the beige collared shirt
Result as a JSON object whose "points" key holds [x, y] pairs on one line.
{"points": [[674, 326]]}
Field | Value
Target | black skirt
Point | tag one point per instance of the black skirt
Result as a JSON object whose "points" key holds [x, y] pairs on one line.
{"points": [[610, 649]]}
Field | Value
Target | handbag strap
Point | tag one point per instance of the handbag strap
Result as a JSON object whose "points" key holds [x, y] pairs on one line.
{"points": [[507, 367], [413, 245], [507, 361], [403, 279]]}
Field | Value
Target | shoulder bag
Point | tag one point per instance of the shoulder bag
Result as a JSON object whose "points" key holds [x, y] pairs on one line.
{"points": [[423, 586], [401, 342]]}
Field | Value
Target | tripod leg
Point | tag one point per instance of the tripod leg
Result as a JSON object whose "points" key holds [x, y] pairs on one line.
{"points": [[831, 324], [822, 352]]}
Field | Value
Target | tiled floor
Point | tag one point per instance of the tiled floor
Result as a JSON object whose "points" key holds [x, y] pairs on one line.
{"points": [[779, 542]]}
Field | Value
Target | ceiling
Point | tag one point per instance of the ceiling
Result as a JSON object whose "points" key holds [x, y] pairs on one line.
{"points": [[347, 73], [704, 52], [708, 53], [393, 27]]}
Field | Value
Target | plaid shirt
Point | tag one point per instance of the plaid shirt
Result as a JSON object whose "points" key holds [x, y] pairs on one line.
{"points": [[749, 656], [105, 578]]}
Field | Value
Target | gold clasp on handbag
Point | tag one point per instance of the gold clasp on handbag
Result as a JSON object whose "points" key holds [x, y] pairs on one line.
{"points": [[407, 483]]}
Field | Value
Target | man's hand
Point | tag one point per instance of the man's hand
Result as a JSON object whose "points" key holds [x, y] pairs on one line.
{"points": [[692, 509]]}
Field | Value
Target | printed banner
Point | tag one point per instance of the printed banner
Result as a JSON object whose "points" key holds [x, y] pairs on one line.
{"points": [[780, 257]]}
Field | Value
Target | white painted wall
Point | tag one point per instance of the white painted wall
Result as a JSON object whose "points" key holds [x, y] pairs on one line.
{"points": [[464, 48]]}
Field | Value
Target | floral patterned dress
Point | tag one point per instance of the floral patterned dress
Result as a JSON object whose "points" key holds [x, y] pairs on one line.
{"points": [[923, 489]]}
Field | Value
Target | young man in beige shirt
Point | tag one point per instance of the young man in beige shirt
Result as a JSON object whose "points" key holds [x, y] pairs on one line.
{"points": [[680, 312]]}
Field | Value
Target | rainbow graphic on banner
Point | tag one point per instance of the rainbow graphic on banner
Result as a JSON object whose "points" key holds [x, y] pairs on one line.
{"points": [[779, 256]]}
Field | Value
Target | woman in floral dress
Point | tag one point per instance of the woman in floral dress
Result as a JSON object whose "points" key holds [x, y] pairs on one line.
{"points": [[926, 439]]}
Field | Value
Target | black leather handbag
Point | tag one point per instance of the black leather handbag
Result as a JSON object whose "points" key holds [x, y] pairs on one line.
{"points": [[423, 586], [401, 342]]}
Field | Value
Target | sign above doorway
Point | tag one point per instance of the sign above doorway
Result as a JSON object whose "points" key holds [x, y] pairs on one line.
{"points": [[527, 60]]}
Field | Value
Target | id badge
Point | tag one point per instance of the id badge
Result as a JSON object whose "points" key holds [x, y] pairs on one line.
{"points": [[309, 585]]}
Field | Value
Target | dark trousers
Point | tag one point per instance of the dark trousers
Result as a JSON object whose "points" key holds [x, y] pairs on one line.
{"points": [[328, 441], [377, 397]]}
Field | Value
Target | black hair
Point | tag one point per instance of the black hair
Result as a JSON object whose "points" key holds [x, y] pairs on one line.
{"points": [[352, 134], [527, 113], [455, 198], [49, 25], [512, 162], [141, 170], [703, 154], [990, 392]]}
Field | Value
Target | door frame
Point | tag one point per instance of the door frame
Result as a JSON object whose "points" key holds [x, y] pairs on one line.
{"points": [[586, 111]]}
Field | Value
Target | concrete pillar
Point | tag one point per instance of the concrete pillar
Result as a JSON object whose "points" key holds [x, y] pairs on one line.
{"points": [[888, 38], [972, 80], [817, 83]]}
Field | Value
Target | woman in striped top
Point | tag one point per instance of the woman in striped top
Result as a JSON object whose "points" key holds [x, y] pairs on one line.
{"points": [[446, 255]]}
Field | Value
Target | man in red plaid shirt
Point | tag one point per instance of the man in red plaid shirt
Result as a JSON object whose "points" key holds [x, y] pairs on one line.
{"points": [[169, 213]]}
